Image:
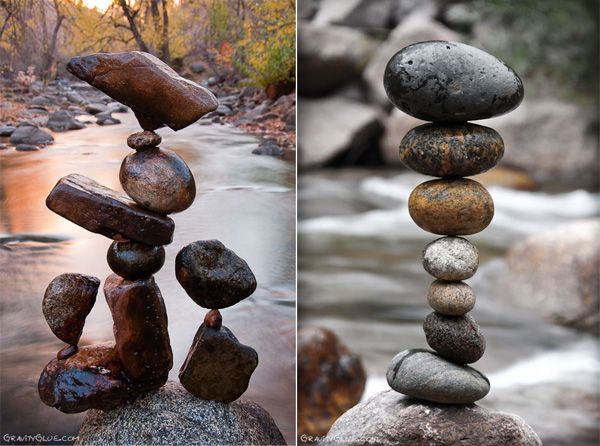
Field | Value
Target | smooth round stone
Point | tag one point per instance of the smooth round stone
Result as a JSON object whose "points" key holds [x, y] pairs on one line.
{"points": [[68, 300], [451, 207], [158, 180], [451, 82], [212, 275], [451, 150], [143, 140], [451, 298], [134, 260], [451, 258], [427, 376], [456, 338]]}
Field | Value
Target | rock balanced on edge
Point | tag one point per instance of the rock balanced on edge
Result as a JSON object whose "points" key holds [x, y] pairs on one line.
{"points": [[158, 182]]}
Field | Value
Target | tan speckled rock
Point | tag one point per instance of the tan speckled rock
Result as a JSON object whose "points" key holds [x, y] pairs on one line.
{"points": [[143, 140], [451, 207], [451, 258], [451, 298]]}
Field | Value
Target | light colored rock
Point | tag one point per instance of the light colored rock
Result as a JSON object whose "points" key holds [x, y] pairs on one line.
{"points": [[451, 298], [173, 416], [451, 258]]}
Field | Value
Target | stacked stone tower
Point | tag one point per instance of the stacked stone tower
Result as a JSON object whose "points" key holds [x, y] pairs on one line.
{"points": [[449, 84]]}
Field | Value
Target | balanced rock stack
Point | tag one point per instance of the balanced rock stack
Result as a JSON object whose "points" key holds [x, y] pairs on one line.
{"points": [[158, 182]]}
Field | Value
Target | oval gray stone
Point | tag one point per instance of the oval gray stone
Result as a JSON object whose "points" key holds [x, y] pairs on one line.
{"points": [[451, 258], [427, 376], [456, 338], [451, 82]]}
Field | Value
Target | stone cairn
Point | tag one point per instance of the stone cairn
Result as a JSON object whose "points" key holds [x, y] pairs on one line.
{"points": [[158, 183], [449, 84]]}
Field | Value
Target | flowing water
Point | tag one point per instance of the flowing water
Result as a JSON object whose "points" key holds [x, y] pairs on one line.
{"points": [[360, 274], [244, 200]]}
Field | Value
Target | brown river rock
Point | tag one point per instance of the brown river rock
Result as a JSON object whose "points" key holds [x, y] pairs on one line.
{"points": [[93, 378], [140, 326], [451, 150], [155, 92], [143, 140], [451, 298], [158, 180], [104, 211], [218, 367], [451, 207], [134, 260], [68, 300]]}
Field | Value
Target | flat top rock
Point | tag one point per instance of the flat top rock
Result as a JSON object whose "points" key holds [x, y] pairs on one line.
{"points": [[155, 92]]}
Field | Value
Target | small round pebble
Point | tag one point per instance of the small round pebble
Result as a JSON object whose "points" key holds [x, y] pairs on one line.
{"points": [[133, 260], [451, 258], [451, 207], [213, 319], [143, 140], [456, 338], [451, 298], [158, 180]]}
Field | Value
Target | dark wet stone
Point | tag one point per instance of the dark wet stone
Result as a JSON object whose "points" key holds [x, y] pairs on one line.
{"points": [[427, 376], [456, 338], [7, 130], [451, 207], [451, 298], [106, 118], [133, 260], [159, 97], [93, 378], [26, 148], [451, 150], [212, 275], [213, 319], [143, 140], [158, 180], [331, 380], [451, 82], [67, 352], [217, 367], [95, 108], [76, 198], [62, 121], [451, 258], [68, 300], [268, 147], [31, 135], [140, 326]]}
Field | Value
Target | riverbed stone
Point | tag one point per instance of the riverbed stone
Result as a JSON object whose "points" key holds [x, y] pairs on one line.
{"points": [[213, 275], [104, 211], [425, 375], [451, 207], [218, 367], [68, 300], [92, 378], [451, 258], [172, 416], [62, 121], [140, 326], [134, 260], [158, 180], [159, 97], [7, 130], [31, 135], [143, 140], [451, 298], [26, 148], [451, 82], [456, 338], [451, 150], [389, 418]]}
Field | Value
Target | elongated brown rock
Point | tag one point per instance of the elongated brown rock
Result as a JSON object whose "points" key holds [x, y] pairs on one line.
{"points": [[140, 326], [92, 378], [104, 211], [217, 367], [156, 93]]}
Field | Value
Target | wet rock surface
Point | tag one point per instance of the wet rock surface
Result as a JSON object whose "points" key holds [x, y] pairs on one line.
{"points": [[451, 298], [28, 134], [451, 82], [212, 275], [218, 367], [331, 380], [68, 300], [158, 180], [143, 140], [456, 338], [93, 378], [173, 416], [134, 260], [451, 258], [62, 121], [451, 207], [140, 326], [427, 376], [451, 150], [104, 211], [391, 419], [160, 97]]}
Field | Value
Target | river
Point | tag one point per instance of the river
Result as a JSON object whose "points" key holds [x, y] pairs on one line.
{"points": [[244, 200]]}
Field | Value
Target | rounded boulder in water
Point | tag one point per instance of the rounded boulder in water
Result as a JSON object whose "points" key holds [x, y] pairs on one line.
{"points": [[451, 82]]}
